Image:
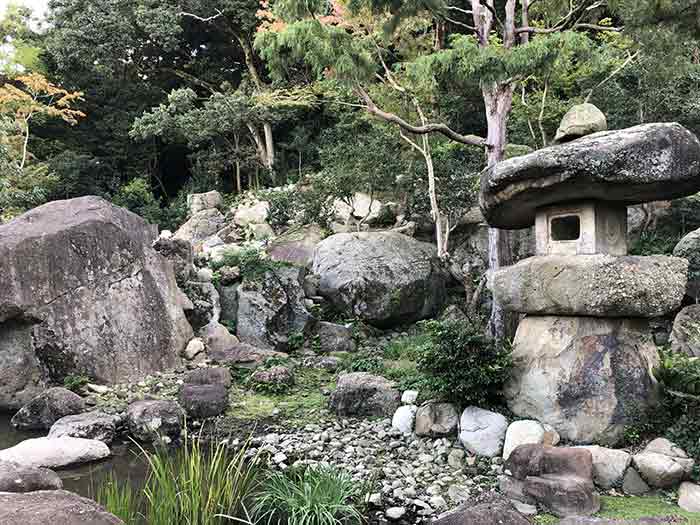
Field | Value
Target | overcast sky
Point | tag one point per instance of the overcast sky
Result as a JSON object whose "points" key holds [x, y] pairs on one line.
{"points": [[39, 6]]}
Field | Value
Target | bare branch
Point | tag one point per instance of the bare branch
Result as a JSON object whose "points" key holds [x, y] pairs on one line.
{"points": [[459, 9], [218, 14], [458, 23], [549, 30], [372, 109], [612, 75]]}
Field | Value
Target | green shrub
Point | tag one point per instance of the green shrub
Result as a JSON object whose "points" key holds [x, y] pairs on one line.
{"points": [[251, 260], [409, 347], [320, 495], [463, 366], [679, 373], [365, 362], [75, 383], [282, 206]]}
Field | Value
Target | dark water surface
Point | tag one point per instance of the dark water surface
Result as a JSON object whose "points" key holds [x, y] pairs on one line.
{"points": [[126, 462]]}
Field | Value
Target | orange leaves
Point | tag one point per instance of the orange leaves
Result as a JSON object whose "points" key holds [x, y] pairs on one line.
{"points": [[33, 94]]}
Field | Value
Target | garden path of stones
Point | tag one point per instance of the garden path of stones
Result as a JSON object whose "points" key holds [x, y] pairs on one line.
{"points": [[412, 477]]}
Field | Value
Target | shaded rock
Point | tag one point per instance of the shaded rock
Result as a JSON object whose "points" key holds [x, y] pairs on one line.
{"points": [[364, 207], [330, 364], [260, 232], [522, 433], [381, 277], [57, 507], [194, 348], [55, 452], [559, 479], [633, 484], [243, 355], [18, 478], [152, 420], [640, 164], [272, 308], [436, 419], [47, 408], [689, 248], [685, 336], [96, 300], [276, 377], [206, 305], [689, 497], [253, 213], [197, 202], [200, 227], [217, 337], [609, 465], [586, 377], [334, 337], [404, 418], [90, 425], [482, 432], [179, 252], [592, 285], [296, 245], [501, 512], [228, 297], [215, 375], [363, 394], [581, 120], [203, 401]]}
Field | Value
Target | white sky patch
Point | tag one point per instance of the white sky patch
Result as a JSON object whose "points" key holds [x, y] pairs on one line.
{"points": [[38, 6]]}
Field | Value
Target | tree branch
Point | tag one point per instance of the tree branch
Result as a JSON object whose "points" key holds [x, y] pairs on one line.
{"points": [[612, 75], [200, 18], [372, 109]]}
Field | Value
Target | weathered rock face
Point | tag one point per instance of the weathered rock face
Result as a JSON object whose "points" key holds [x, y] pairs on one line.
{"points": [[275, 377], [381, 277], [197, 202], [334, 337], [663, 464], [46, 408], [609, 465], [179, 252], [18, 478], [90, 425], [640, 164], [685, 336], [689, 497], [200, 226], [216, 375], [362, 394], [559, 479], [689, 248], [436, 419], [296, 246], [57, 507], [55, 452], [527, 432], [243, 355], [152, 420], [95, 299], [581, 120], [253, 213], [592, 285], [586, 377], [272, 308], [203, 401], [500, 512]]}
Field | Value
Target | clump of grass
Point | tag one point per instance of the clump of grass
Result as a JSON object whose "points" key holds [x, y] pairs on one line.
{"points": [[191, 486], [120, 499], [320, 495]]}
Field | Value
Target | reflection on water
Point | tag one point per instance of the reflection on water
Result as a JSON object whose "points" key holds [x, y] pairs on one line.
{"points": [[126, 462]]}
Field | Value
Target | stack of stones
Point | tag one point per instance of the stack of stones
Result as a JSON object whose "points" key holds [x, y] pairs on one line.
{"points": [[584, 354]]}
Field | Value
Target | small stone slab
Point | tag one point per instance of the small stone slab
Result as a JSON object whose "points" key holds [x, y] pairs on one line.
{"points": [[55, 507], [644, 163], [592, 285], [55, 452]]}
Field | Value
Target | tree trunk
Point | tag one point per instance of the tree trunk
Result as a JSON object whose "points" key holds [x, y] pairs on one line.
{"points": [[498, 99]]}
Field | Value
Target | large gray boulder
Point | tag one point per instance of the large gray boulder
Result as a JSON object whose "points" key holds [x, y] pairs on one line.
{"points": [[90, 425], [197, 202], [200, 226], [47, 408], [641, 164], [579, 121], [154, 420], [19, 478], [482, 432], [297, 245], [685, 335], [271, 308], [436, 419], [83, 292], [609, 465], [381, 277], [181, 255], [663, 464], [203, 401], [587, 377], [592, 285], [689, 497], [363, 394], [57, 507], [55, 452]]}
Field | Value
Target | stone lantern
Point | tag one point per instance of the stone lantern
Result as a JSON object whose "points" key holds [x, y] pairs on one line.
{"points": [[583, 353]]}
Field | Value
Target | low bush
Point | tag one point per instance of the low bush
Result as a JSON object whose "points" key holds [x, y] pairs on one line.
{"points": [[320, 495], [463, 366], [251, 261], [679, 373], [75, 383]]}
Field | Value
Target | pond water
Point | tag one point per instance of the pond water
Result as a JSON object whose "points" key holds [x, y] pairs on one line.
{"points": [[126, 462]]}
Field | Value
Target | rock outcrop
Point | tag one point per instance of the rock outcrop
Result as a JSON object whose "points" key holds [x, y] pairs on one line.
{"points": [[155, 420], [57, 507], [83, 292], [641, 164], [47, 408], [18, 478], [587, 377], [579, 121], [381, 277], [685, 335], [90, 425], [363, 394]]}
